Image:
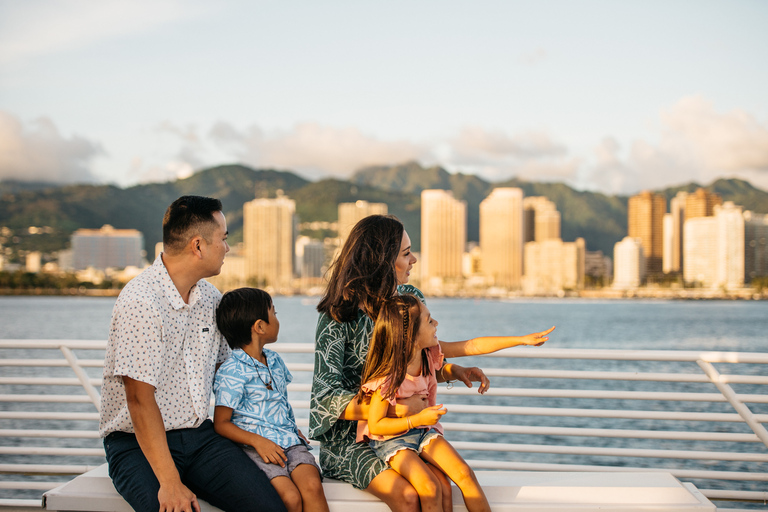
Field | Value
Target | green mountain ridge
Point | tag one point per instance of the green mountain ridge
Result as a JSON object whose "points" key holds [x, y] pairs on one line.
{"points": [[600, 219]]}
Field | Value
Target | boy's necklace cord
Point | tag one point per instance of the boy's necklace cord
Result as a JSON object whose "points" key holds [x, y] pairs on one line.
{"points": [[267, 385]]}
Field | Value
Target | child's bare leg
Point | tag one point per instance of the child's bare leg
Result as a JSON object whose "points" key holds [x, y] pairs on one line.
{"points": [[445, 487], [307, 479], [288, 492], [440, 453], [412, 468]]}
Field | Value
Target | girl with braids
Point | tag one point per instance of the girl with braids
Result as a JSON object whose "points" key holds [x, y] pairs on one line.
{"points": [[402, 361], [373, 267]]}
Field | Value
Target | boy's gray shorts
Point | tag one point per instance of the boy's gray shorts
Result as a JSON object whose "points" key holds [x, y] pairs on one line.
{"points": [[297, 454]]}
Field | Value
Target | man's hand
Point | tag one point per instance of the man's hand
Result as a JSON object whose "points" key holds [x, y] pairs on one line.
{"points": [[177, 498]]}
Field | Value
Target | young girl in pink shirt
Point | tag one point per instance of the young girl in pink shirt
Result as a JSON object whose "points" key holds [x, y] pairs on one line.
{"points": [[402, 360]]}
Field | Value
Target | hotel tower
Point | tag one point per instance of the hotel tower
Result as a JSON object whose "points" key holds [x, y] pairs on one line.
{"points": [[501, 237]]}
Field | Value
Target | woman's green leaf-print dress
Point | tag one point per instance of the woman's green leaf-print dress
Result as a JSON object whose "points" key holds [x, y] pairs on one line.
{"points": [[340, 351]]}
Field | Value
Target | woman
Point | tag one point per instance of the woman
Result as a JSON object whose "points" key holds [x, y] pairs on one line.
{"points": [[374, 264]]}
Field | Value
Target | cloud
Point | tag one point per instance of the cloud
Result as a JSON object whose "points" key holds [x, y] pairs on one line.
{"points": [[731, 141], [40, 153], [496, 155], [34, 27], [695, 143], [313, 149]]}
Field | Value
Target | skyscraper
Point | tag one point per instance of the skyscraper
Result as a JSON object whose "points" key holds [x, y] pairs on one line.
{"points": [[541, 219], [755, 245], [351, 213], [107, 248], [443, 236], [645, 219], [628, 263], [701, 204], [269, 232], [677, 213], [501, 237], [715, 248]]}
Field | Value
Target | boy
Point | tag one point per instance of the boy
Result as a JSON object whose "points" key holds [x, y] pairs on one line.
{"points": [[252, 406]]}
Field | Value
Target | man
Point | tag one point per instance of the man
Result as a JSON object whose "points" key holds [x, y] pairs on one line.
{"points": [[162, 354]]}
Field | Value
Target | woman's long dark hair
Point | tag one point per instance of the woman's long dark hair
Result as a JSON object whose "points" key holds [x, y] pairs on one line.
{"points": [[363, 275], [393, 343]]}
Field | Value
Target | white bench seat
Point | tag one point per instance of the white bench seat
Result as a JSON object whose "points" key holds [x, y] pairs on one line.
{"points": [[506, 490]]}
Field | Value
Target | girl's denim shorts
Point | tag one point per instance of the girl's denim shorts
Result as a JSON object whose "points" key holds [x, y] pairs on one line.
{"points": [[415, 439]]}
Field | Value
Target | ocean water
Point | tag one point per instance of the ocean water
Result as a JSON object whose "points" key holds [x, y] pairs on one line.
{"points": [[619, 324]]}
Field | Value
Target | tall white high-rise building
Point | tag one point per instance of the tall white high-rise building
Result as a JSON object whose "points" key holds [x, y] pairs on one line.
{"points": [[501, 237], [351, 213], [714, 248], [269, 232], [629, 267], [443, 237], [700, 251], [730, 245]]}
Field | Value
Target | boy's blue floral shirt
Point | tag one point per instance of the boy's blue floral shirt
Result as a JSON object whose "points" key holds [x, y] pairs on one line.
{"points": [[255, 408]]}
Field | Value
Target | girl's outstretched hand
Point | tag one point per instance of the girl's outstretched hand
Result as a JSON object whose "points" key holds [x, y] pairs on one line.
{"points": [[428, 416], [537, 338], [467, 375]]}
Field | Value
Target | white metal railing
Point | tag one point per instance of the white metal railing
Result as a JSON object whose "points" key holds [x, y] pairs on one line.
{"points": [[627, 412]]}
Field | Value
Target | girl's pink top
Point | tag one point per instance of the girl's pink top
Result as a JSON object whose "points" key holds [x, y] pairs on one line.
{"points": [[418, 385]]}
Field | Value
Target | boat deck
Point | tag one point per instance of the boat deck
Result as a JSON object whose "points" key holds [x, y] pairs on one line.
{"points": [[551, 414]]}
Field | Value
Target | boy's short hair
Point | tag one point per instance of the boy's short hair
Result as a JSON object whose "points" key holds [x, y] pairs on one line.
{"points": [[237, 312]]}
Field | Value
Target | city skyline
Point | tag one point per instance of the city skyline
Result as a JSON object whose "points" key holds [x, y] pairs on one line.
{"points": [[130, 92]]}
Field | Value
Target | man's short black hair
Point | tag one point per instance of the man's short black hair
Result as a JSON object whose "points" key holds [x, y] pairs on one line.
{"points": [[188, 216], [237, 312]]}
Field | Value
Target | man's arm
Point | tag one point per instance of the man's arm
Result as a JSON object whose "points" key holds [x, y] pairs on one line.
{"points": [[150, 434]]}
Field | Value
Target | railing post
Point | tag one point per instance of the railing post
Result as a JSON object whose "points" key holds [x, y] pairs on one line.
{"points": [[82, 376], [737, 404]]}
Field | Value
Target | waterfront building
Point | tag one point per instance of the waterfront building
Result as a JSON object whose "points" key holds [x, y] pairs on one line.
{"points": [[541, 220], [629, 268], [33, 262], [700, 251], [715, 246], [730, 245], [677, 212], [667, 242], [443, 236], [598, 267], [645, 221], [755, 245], [107, 248], [310, 257], [552, 266], [269, 232], [701, 204], [351, 213], [501, 237]]}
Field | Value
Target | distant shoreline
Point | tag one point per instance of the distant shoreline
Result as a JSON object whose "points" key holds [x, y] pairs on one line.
{"points": [[602, 293]]}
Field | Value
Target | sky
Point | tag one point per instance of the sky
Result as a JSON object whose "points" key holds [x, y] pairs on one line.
{"points": [[614, 96]]}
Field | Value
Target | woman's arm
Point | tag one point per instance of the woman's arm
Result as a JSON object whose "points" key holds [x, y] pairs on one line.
{"points": [[489, 344], [269, 451], [381, 425]]}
